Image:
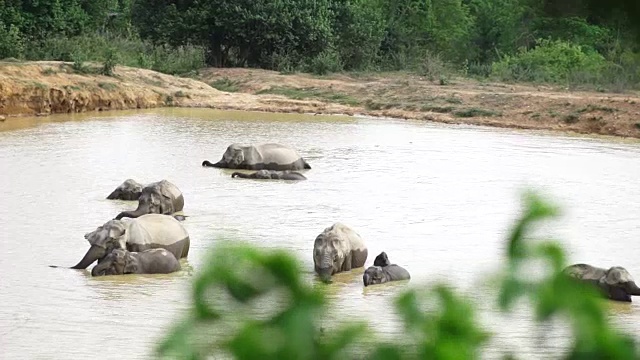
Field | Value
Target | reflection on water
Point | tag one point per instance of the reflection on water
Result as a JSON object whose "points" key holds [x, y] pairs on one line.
{"points": [[438, 199]]}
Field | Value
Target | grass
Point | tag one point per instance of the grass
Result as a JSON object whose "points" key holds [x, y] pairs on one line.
{"points": [[40, 85], [591, 107], [107, 86], [571, 118], [437, 109], [312, 93], [226, 84], [473, 112]]}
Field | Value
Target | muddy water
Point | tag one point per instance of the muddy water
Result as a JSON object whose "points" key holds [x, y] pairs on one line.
{"points": [[438, 199]]}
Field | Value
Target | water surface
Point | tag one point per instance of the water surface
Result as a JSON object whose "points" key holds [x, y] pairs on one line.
{"points": [[437, 198]]}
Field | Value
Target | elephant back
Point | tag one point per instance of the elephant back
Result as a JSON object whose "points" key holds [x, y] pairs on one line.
{"points": [[341, 237], [272, 153], [585, 272], [155, 231]]}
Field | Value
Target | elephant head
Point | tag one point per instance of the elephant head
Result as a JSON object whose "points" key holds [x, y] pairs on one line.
{"points": [[618, 284], [374, 275], [327, 257], [117, 262], [232, 158], [151, 201], [103, 240], [128, 190]]}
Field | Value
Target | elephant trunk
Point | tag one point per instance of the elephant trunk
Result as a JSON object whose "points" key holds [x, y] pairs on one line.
{"points": [[366, 278], [141, 210], [94, 253], [325, 274], [219, 164], [240, 175], [633, 289], [114, 195]]}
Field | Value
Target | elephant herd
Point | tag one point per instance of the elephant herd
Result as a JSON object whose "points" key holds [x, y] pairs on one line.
{"points": [[153, 240]]}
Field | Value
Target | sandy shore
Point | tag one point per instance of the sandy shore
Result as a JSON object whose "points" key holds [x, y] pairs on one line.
{"points": [[42, 88]]}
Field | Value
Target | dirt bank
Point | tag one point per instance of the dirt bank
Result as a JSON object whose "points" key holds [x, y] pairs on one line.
{"points": [[31, 88]]}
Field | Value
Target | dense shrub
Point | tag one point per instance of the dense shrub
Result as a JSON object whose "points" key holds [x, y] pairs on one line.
{"points": [[550, 60]]}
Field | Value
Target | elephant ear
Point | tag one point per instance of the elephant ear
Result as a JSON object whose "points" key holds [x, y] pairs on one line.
{"points": [[117, 233], [252, 155], [167, 198]]}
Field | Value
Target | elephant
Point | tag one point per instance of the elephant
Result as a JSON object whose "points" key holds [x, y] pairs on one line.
{"points": [[128, 190], [271, 174], [338, 248], [260, 157], [160, 197], [383, 271], [150, 261], [614, 283], [148, 231]]}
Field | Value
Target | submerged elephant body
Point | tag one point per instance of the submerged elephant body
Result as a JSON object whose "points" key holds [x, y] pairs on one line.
{"points": [[145, 232], [615, 283], [260, 157], [128, 190], [150, 261], [160, 197], [338, 248], [271, 174], [383, 271]]}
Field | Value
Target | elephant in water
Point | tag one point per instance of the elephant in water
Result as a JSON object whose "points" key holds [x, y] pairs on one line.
{"points": [[260, 157], [150, 261], [128, 190], [338, 248], [145, 232], [615, 283], [160, 197], [383, 271], [271, 174]]}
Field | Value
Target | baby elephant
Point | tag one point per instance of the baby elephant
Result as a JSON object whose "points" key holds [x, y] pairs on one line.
{"points": [[271, 174], [151, 261], [614, 283], [383, 271]]}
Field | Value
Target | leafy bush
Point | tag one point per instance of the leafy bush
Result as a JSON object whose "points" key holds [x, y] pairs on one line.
{"points": [[326, 62], [11, 42], [550, 60], [263, 310], [128, 52]]}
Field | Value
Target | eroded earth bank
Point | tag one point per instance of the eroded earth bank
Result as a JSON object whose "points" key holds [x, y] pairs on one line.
{"points": [[42, 88]]}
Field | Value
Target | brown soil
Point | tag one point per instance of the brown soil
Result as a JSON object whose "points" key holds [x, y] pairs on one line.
{"points": [[41, 88]]}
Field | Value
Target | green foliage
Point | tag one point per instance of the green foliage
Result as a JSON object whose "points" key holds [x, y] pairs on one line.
{"points": [[325, 62], [311, 93], [473, 112], [589, 42], [252, 304], [358, 29], [225, 84], [128, 52], [556, 294], [550, 60], [11, 42], [110, 61]]}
